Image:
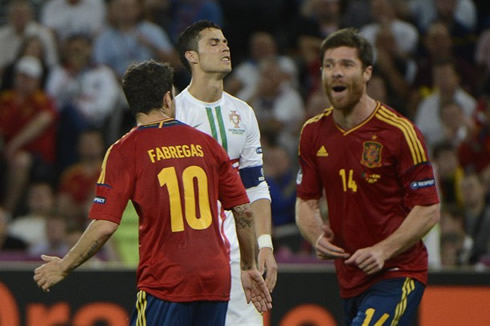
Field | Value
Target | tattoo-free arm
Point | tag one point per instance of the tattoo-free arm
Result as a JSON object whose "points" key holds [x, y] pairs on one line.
{"points": [[308, 219]]}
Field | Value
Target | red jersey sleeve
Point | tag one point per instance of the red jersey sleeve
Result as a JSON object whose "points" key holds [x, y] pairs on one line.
{"points": [[231, 191], [415, 170], [308, 181], [114, 186]]}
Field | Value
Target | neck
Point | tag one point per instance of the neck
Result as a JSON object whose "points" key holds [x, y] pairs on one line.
{"points": [[152, 116], [351, 117], [206, 88]]}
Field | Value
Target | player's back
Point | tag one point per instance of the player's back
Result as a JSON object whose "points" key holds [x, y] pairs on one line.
{"points": [[178, 174]]}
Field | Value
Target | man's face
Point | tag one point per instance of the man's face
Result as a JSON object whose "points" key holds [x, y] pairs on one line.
{"points": [[213, 52], [344, 77]]}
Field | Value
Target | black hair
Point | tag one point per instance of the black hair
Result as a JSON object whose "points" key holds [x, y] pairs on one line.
{"points": [[189, 39], [145, 84], [349, 37]]}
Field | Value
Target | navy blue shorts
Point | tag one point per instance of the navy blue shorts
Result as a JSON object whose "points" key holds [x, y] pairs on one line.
{"points": [[151, 311], [388, 302]]}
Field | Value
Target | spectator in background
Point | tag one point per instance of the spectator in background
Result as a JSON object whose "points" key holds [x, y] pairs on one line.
{"points": [[55, 242], [425, 12], [9, 242], [86, 95], [76, 185], [318, 18], [447, 88], [28, 128], [30, 46], [456, 126], [20, 25], [243, 81], [454, 242], [405, 34], [31, 226], [186, 12], [68, 17], [449, 173], [396, 67], [474, 153], [438, 45], [476, 216], [482, 58], [129, 38], [281, 178], [277, 104]]}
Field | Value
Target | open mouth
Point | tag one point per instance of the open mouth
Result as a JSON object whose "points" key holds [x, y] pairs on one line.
{"points": [[339, 89]]}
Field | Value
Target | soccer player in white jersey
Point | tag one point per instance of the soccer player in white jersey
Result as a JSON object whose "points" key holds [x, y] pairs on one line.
{"points": [[204, 51]]}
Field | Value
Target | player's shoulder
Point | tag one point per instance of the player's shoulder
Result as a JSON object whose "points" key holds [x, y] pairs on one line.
{"points": [[316, 120], [393, 119], [237, 103]]}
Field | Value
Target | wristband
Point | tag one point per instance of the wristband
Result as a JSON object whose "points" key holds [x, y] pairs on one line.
{"points": [[265, 241]]}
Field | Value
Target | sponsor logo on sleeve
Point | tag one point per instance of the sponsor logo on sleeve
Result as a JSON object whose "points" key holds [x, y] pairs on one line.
{"points": [[422, 184], [99, 200], [258, 150], [299, 177]]}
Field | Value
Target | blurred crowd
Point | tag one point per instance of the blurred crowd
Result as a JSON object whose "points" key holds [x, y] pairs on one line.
{"points": [[61, 104]]}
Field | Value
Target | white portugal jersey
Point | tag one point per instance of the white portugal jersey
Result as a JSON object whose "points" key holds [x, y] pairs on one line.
{"points": [[233, 124]]}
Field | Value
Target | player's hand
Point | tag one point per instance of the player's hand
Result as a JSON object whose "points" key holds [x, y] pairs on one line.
{"points": [[370, 260], [267, 263], [49, 273], [255, 290], [324, 247]]}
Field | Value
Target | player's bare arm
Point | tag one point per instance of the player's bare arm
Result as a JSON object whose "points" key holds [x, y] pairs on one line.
{"points": [[266, 261], [416, 225], [56, 269], [311, 226], [253, 284]]}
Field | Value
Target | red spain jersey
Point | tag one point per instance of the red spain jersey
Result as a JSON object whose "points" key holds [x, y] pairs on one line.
{"points": [[174, 175], [372, 175]]}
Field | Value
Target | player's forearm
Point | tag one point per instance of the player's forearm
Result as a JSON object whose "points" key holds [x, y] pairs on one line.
{"points": [[244, 221], [416, 225], [262, 216], [94, 237], [308, 219]]}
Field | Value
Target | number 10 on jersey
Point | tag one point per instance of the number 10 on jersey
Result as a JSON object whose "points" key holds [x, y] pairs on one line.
{"points": [[168, 177]]}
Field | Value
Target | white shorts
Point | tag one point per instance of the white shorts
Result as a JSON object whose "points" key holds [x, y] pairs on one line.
{"points": [[240, 313]]}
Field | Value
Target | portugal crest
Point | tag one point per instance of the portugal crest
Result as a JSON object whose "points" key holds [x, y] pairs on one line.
{"points": [[371, 155], [235, 119]]}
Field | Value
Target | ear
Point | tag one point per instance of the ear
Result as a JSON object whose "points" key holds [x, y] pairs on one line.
{"points": [[192, 57], [368, 72], [168, 106]]}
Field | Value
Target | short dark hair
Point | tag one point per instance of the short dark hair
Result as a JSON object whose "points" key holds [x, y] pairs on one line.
{"points": [[145, 84], [189, 39], [349, 37]]}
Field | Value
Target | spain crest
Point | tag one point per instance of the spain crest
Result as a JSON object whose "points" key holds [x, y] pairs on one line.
{"points": [[371, 155]]}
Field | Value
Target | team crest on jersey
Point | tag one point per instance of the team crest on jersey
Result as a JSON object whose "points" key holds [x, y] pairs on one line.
{"points": [[235, 119], [371, 155]]}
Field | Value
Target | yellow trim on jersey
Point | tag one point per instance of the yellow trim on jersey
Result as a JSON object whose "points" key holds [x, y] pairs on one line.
{"points": [[414, 144], [408, 287], [316, 118], [378, 104], [101, 179], [141, 308]]}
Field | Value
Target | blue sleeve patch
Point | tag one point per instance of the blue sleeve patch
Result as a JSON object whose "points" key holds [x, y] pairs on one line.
{"points": [[422, 184], [99, 200], [252, 176]]}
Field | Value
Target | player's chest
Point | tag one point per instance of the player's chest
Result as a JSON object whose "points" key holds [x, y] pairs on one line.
{"points": [[365, 158]]}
